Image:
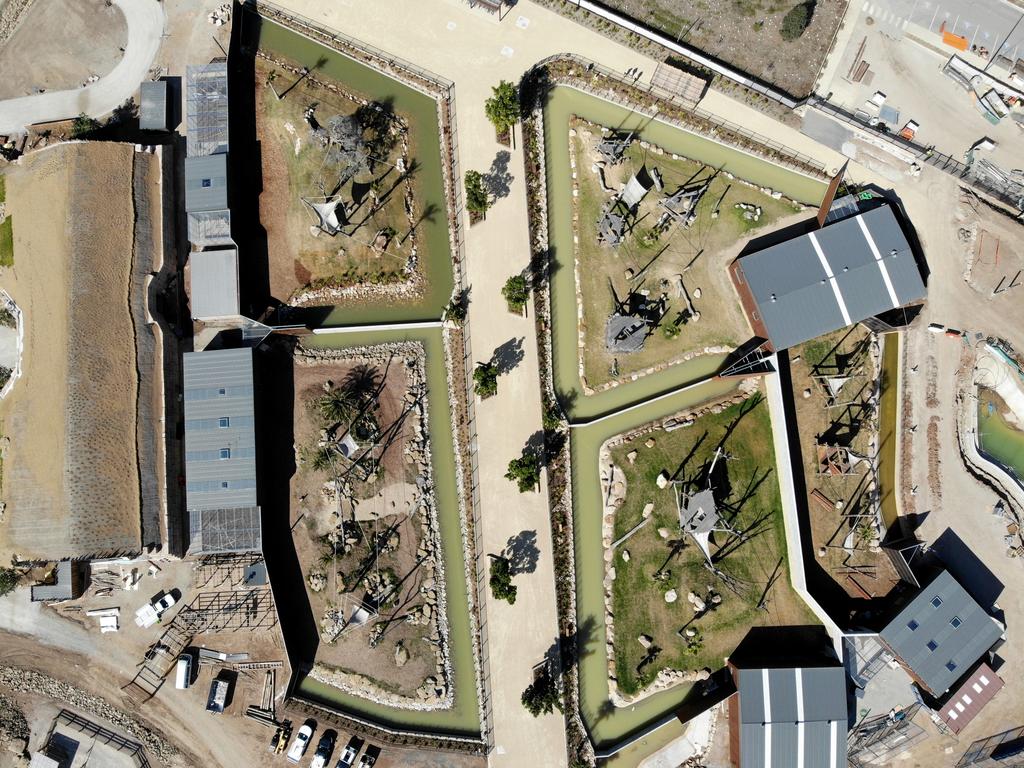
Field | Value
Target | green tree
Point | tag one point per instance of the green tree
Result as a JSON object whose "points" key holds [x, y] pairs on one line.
{"points": [[477, 199], [796, 21], [456, 310], [502, 108], [8, 580], [83, 126], [671, 330], [485, 379], [541, 696], [502, 587], [338, 405], [551, 419], [516, 292], [524, 471]]}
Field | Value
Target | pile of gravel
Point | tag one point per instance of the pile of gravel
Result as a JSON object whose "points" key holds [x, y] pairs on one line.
{"points": [[13, 725]]}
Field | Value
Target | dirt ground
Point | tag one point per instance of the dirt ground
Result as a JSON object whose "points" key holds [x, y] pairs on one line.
{"points": [[59, 44], [698, 256], [294, 167], [745, 33], [384, 513], [72, 482], [746, 491], [849, 424]]}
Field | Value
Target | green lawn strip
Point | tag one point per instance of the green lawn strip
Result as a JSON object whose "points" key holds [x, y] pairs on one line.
{"points": [[638, 600], [3, 188], [7, 242], [721, 322]]}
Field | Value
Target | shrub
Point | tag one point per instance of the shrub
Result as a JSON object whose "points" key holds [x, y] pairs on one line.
{"points": [[541, 696], [8, 580], [516, 292], [485, 379], [795, 22], [83, 126], [477, 199], [502, 587], [502, 108], [456, 310], [524, 472], [671, 330]]}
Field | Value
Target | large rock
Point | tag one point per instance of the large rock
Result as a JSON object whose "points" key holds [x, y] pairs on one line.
{"points": [[663, 532], [401, 655], [648, 509], [671, 596], [646, 641], [662, 480]]}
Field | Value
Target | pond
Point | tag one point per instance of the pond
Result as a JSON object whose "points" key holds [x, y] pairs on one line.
{"points": [[998, 437], [421, 111], [463, 718], [606, 724]]}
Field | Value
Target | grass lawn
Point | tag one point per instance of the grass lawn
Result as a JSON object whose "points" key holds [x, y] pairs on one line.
{"points": [[745, 484], [7, 241], [3, 188], [699, 254], [375, 243]]}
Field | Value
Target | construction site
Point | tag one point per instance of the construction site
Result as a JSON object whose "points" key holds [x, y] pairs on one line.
{"points": [[654, 232]]}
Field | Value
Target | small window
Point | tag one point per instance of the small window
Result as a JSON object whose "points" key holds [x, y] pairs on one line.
{"points": [[224, 422], [222, 391], [936, 601], [225, 453], [912, 625], [955, 622], [207, 182], [951, 666], [224, 484], [932, 645]]}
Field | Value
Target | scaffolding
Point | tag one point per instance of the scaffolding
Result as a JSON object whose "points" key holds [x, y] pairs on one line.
{"points": [[132, 749], [224, 530], [210, 229], [1003, 750], [206, 108], [219, 569], [876, 740], [233, 611]]}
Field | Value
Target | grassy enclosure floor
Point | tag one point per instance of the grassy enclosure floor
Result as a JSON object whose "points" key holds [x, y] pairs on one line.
{"points": [[746, 491]]}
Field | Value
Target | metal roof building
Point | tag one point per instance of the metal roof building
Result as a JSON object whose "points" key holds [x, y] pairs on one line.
{"points": [[220, 440], [206, 183], [793, 717], [940, 634], [206, 109], [224, 530], [833, 277], [153, 107], [213, 284], [209, 229], [968, 701], [67, 584]]}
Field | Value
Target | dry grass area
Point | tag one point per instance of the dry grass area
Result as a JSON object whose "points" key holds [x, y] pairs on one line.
{"points": [[375, 245], [745, 34], [847, 534], [696, 256], [367, 542], [661, 557], [71, 470]]}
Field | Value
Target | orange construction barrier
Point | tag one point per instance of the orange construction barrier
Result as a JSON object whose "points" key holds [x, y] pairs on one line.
{"points": [[956, 41]]}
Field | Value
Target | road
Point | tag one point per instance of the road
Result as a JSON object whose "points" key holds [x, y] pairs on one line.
{"points": [[145, 19], [988, 23]]}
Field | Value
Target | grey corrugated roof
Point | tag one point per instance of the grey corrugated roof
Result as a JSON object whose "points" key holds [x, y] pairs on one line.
{"points": [[62, 589], [213, 283], [224, 530], [206, 183], [793, 711], [153, 107], [206, 109], [219, 384], [209, 229], [797, 300], [962, 646]]}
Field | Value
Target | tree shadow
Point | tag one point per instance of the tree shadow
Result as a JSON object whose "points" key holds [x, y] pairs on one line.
{"points": [[498, 180], [522, 553], [510, 354]]}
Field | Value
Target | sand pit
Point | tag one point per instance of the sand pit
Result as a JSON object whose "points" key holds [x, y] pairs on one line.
{"points": [[71, 476]]}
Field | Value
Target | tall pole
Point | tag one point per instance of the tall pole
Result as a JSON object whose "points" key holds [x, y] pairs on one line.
{"points": [[992, 57]]}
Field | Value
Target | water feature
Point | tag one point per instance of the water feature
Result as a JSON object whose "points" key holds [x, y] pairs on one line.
{"points": [[425, 143], [463, 717], [998, 437], [607, 724]]}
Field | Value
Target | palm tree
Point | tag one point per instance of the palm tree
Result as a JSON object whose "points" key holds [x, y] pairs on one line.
{"points": [[362, 383], [338, 405], [323, 459]]}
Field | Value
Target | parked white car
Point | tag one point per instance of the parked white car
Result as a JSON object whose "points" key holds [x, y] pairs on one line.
{"points": [[301, 742]]}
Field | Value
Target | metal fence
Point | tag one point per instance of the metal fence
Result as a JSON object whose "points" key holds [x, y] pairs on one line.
{"points": [[784, 155], [131, 749]]}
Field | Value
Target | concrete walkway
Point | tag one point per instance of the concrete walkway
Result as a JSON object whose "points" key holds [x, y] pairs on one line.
{"points": [[145, 19]]}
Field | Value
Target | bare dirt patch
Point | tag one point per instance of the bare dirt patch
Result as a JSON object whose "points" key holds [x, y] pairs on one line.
{"points": [[59, 44], [745, 34], [365, 526], [72, 480]]}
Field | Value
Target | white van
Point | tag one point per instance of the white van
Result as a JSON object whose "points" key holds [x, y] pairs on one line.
{"points": [[183, 673]]}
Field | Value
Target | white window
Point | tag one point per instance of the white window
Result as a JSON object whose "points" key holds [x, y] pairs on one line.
{"points": [[225, 453], [936, 601], [223, 422]]}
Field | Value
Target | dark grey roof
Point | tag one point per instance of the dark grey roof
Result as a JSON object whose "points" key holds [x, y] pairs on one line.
{"points": [[206, 109], [218, 386], [208, 229], [960, 646], [798, 300], [224, 530], [153, 107], [213, 283], [206, 183], [793, 717]]}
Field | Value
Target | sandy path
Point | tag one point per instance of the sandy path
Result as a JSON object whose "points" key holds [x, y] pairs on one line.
{"points": [[71, 476]]}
